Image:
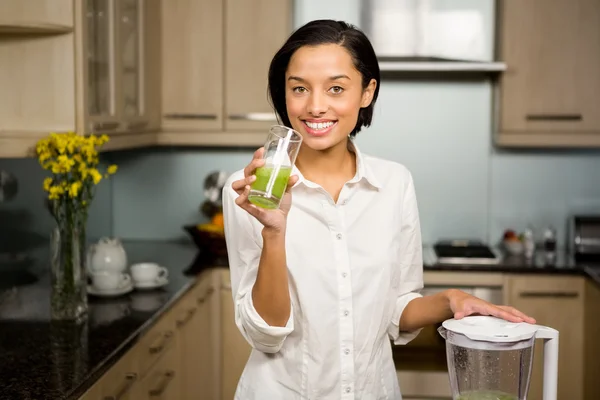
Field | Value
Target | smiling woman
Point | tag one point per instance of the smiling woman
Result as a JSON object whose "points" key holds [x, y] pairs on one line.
{"points": [[321, 284]]}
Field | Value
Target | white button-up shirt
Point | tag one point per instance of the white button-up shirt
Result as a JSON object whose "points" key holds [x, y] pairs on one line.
{"points": [[353, 267]]}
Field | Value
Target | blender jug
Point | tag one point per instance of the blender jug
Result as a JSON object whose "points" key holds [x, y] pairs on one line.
{"points": [[490, 358]]}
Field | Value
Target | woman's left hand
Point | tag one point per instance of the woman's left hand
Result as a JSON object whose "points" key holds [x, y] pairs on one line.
{"points": [[463, 304]]}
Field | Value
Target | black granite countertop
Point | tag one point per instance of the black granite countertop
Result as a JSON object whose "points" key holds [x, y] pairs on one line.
{"points": [[540, 263], [41, 359]]}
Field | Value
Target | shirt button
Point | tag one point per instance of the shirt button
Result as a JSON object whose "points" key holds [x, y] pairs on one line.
{"points": [[346, 313], [344, 274], [339, 236], [344, 202], [348, 390], [346, 352]]}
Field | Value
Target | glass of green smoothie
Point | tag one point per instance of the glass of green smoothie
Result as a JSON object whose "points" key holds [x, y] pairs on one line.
{"points": [[281, 150]]}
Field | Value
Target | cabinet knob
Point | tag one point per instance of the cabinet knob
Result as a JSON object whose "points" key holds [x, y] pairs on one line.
{"points": [[129, 381], [188, 315], [157, 348], [168, 377]]}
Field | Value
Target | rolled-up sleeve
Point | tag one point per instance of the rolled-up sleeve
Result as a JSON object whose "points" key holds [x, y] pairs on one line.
{"points": [[410, 264], [244, 247]]}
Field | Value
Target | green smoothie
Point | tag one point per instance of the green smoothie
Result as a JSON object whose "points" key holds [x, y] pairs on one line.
{"points": [[486, 395], [269, 186]]}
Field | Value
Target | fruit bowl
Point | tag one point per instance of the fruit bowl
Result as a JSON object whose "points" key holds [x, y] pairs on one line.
{"points": [[210, 240], [514, 247]]}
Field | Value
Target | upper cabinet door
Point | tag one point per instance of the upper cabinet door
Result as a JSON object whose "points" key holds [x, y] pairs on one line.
{"points": [[130, 54], [100, 76], [552, 50], [255, 30], [192, 65]]}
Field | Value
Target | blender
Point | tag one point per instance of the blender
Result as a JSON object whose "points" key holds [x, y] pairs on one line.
{"points": [[491, 359]]}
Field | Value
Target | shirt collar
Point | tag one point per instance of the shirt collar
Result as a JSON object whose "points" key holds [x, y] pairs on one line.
{"points": [[363, 172]]}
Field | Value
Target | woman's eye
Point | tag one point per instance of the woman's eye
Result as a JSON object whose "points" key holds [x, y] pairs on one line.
{"points": [[336, 90], [299, 89]]}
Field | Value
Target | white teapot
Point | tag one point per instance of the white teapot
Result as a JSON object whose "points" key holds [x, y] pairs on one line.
{"points": [[107, 255]]}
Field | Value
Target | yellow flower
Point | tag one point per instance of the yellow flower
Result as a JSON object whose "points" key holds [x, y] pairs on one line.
{"points": [[74, 189], [47, 184], [112, 169], [96, 176], [56, 192], [62, 165]]}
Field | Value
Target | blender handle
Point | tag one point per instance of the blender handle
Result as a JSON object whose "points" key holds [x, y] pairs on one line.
{"points": [[550, 337]]}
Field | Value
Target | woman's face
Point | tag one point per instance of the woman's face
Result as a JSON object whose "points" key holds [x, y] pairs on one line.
{"points": [[324, 94]]}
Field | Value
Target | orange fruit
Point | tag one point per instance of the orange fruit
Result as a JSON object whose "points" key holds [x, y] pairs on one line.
{"points": [[218, 220]]}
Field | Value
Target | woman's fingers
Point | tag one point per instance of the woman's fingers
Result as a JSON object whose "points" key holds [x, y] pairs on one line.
{"points": [[242, 201], [291, 182], [519, 314], [240, 184], [257, 161]]}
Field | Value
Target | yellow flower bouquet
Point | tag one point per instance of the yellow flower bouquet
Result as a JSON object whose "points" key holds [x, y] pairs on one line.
{"points": [[74, 165]]}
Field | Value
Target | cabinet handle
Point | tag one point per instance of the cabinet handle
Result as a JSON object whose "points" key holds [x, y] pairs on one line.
{"points": [[190, 116], [254, 117], [554, 117], [105, 126], [157, 348], [190, 313], [129, 381], [168, 377], [137, 125], [572, 295], [202, 299]]}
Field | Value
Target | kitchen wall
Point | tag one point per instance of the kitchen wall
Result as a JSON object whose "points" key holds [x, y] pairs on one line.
{"points": [[441, 130]]}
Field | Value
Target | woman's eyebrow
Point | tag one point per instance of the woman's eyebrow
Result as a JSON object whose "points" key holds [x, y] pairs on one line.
{"points": [[332, 78]]}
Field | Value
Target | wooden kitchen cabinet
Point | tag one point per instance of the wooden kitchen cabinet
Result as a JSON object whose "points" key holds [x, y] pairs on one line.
{"points": [[216, 55], [565, 303], [87, 66], [235, 349], [549, 95], [43, 16], [198, 356], [194, 351]]}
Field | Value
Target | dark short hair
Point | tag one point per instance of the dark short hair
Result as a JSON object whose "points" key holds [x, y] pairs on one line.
{"points": [[318, 32]]}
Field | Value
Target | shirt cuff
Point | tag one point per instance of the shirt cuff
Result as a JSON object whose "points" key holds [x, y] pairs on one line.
{"points": [[398, 337], [266, 338]]}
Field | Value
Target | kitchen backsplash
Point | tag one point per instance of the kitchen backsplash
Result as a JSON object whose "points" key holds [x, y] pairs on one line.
{"points": [[26, 214]]}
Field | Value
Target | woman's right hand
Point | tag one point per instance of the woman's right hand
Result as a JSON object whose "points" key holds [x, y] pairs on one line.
{"points": [[271, 219]]}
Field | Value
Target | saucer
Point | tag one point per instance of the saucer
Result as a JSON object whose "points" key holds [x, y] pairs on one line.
{"points": [[151, 285], [109, 293]]}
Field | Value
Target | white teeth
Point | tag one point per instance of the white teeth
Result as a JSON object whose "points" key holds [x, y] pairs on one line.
{"points": [[319, 125]]}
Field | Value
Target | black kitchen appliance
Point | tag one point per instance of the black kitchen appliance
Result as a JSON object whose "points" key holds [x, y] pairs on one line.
{"points": [[583, 239], [464, 252]]}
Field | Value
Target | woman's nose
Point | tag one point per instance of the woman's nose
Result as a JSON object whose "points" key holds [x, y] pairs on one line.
{"points": [[317, 104]]}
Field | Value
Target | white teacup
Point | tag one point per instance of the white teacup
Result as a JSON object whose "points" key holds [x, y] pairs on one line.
{"points": [[148, 273], [106, 281]]}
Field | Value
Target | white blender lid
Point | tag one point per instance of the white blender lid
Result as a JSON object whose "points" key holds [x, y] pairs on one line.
{"points": [[491, 329]]}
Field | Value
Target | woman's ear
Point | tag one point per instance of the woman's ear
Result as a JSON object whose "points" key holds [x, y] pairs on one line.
{"points": [[367, 96]]}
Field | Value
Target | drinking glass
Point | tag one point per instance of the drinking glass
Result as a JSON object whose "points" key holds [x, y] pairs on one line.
{"points": [[281, 150]]}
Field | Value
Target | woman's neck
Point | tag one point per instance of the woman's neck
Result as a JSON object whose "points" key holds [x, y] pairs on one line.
{"points": [[330, 168]]}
